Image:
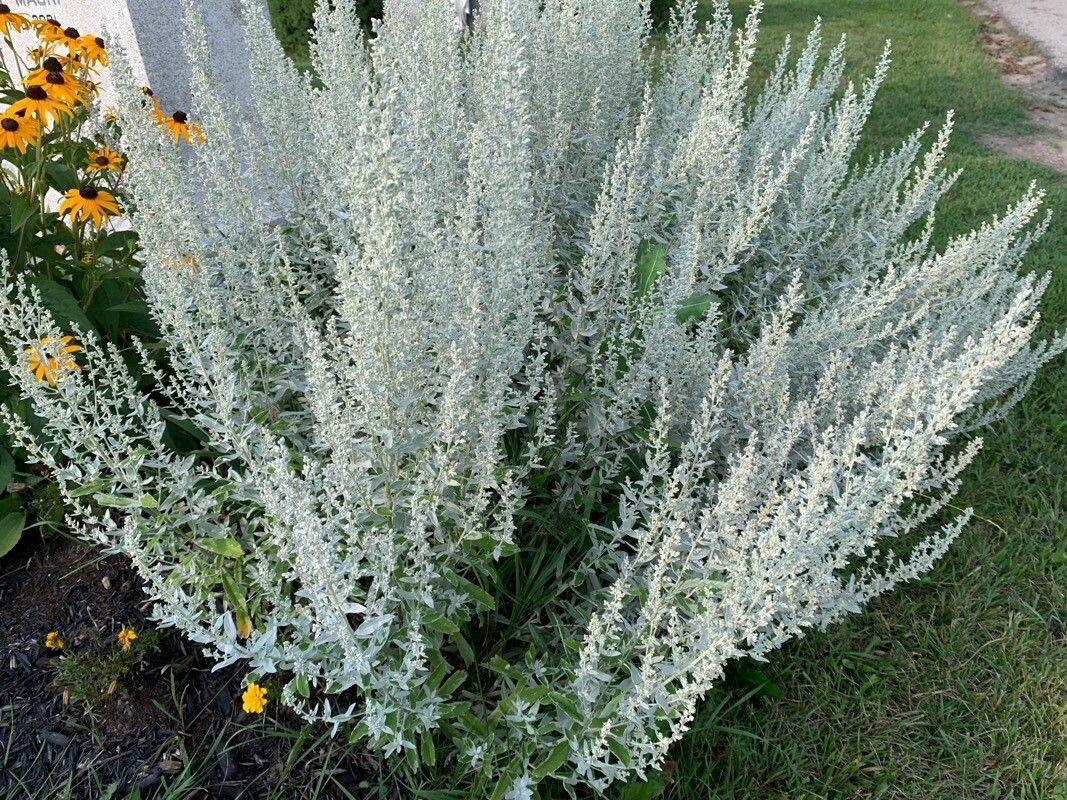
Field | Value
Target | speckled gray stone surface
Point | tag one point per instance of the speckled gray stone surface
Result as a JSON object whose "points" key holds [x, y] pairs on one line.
{"points": [[157, 24], [151, 31]]}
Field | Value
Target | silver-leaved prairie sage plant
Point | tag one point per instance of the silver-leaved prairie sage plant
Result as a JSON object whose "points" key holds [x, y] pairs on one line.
{"points": [[515, 379]]}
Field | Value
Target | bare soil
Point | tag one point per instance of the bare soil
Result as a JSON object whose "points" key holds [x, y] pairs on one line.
{"points": [[162, 724], [1024, 66]]}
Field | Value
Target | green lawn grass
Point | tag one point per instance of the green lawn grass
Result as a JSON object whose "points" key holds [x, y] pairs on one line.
{"points": [[954, 687]]}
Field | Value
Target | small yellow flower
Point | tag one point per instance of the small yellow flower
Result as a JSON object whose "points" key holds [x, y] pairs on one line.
{"points": [[18, 130], [53, 641], [10, 21], [254, 699], [126, 637], [46, 104], [89, 204], [48, 30], [180, 127], [105, 160], [92, 48], [68, 37], [63, 87], [50, 368]]}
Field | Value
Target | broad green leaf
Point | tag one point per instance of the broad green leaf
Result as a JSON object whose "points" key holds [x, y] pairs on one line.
{"points": [[466, 652], [62, 305], [60, 176], [506, 780], [11, 531], [476, 593], [694, 307], [427, 750], [234, 592], [7, 468], [618, 749], [300, 686], [114, 500], [442, 624], [134, 316], [651, 263], [758, 680], [21, 210], [455, 680], [115, 241], [9, 503], [556, 758], [412, 758], [226, 546], [644, 790]]}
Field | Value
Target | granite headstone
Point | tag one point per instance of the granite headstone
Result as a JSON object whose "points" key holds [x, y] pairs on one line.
{"points": [[151, 32]]}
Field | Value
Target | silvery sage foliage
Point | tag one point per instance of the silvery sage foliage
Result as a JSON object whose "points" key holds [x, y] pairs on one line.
{"points": [[469, 303]]}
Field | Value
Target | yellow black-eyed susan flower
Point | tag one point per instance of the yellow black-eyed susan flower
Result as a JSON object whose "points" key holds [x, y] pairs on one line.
{"points": [[105, 160], [46, 367], [254, 699], [48, 29], [42, 103], [10, 21], [157, 109], [60, 85], [181, 128], [18, 131], [69, 38], [91, 48], [89, 204]]}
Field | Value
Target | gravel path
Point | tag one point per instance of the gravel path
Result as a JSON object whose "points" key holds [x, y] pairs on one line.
{"points": [[1044, 21]]}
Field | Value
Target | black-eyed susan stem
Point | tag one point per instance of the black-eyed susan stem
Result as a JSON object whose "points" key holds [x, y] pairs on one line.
{"points": [[18, 58]]}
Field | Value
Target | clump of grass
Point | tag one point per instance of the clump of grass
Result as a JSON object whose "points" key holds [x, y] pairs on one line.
{"points": [[953, 688], [98, 671]]}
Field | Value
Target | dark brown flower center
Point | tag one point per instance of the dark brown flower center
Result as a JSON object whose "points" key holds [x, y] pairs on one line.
{"points": [[36, 93], [88, 193], [180, 117], [55, 78], [99, 41], [71, 33], [103, 161], [4, 8], [51, 64], [9, 125]]}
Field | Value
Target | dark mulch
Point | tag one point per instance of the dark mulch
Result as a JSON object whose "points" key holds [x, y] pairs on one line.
{"points": [[170, 723]]}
